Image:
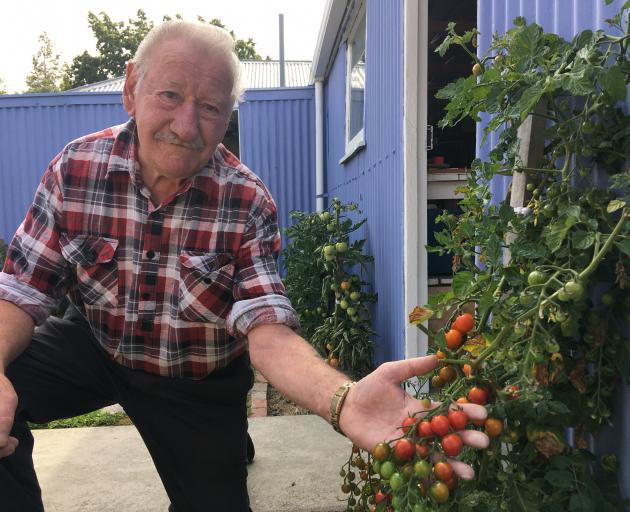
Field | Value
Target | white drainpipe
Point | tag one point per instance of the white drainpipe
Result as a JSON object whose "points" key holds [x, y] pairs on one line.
{"points": [[319, 145]]}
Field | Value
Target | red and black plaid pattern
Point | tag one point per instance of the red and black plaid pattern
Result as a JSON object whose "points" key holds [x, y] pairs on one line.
{"points": [[170, 290]]}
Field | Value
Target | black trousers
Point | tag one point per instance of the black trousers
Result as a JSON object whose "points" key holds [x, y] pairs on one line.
{"points": [[195, 431]]}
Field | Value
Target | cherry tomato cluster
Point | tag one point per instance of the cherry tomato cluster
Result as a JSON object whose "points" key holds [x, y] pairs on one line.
{"points": [[455, 336], [413, 471]]}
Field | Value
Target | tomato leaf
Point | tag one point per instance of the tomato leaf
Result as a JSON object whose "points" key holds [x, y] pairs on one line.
{"points": [[614, 84], [580, 503], [624, 245], [559, 478], [462, 283], [614, 205], [583, 239]]}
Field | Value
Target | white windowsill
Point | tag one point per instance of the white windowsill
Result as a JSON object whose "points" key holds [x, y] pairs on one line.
{"points": [[357, 143]]}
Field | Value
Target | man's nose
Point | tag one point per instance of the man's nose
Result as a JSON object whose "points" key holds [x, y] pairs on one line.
{"points": [[185, 123]]}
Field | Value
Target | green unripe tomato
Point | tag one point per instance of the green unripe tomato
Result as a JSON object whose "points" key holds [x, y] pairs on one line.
{"points": [[341, 246], [355, 296], [530, 187], [387, 469], [396, 481], [343, 304], [351, 311], [536, 277], [329, 257], [329, 249], [324, 216], [330, 227], [574, 290], [607, 299], [422, 468]]}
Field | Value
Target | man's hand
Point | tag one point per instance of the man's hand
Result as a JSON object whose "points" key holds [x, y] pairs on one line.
{"points": [[8, 404], [376, 406]]}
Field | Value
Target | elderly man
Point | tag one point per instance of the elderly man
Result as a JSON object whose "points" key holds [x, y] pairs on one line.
{"points": [[165, 244]]}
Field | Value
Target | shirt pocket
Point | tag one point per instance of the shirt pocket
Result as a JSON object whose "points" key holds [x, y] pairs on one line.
{"points": [[205, 286], [92, 260]]}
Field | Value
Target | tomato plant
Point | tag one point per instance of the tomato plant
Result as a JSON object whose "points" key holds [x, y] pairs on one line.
{"points": [[547, 347], [325, 285]]}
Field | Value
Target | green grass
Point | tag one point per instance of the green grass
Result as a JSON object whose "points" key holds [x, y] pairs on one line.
{"points": [[91, 419]]}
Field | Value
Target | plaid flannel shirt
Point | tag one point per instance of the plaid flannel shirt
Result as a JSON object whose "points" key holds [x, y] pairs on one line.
{"points": [[171, 290]]}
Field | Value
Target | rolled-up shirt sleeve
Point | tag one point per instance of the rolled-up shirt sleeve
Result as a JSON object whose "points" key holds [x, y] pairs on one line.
{"points": [[34, 276], [258, 290]]}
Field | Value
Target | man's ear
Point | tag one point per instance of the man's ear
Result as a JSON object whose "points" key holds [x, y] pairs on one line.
{"points": [[129, 89]]}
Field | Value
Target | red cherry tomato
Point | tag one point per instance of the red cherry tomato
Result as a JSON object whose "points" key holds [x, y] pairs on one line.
{"points": [[408, 424], [453, 339], [404, 449], [478, 395], [422, 450], [443, 471], [440, 425], [458, 419], [452, 445], [424, 429], [464, 323]]}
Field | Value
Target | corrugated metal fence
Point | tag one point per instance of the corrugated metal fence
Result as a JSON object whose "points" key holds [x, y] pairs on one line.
{"points": [[277, 142], [565, 18], [33, 129]]}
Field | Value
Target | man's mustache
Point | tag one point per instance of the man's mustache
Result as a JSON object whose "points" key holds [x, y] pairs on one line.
{"points": [[174, 139]]}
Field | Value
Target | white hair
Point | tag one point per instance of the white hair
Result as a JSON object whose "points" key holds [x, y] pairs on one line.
{"points": [[213, 38]]}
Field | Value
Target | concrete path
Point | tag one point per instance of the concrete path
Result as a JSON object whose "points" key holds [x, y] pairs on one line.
{"points": [[108, 469]]}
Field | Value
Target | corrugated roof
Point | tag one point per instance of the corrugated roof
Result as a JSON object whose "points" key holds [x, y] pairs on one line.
{"points": [[256, 74]]}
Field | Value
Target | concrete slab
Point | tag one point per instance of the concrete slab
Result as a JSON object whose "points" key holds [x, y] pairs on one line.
{"points": [[108, 469]]}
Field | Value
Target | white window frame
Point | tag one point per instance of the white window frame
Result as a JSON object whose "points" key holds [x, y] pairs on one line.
{"points": [[354, 144]]}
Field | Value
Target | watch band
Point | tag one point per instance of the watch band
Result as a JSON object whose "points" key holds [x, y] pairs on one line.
{"points": [[336, 404]]}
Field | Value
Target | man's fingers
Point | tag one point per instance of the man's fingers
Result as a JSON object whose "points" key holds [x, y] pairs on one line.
{"points": [[461, 469], [474, 439], [473, 411], [399, 371]]}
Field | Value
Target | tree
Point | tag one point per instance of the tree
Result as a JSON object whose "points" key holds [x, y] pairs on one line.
{"points": [[117, 42], [46, 72], [3, 88]]}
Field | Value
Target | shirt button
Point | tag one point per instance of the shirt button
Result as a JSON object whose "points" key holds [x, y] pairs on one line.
{"points": [[207, 280], [147, 326], [146, 296], [150, 255]]}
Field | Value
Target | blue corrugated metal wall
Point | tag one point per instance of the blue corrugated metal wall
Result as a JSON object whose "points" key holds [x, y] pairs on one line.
{"points": [[277, 142], [373, 178], [33, 129], [565, 18]]}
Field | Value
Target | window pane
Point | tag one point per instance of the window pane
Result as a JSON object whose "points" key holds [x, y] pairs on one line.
{"points": [[357, 80]]}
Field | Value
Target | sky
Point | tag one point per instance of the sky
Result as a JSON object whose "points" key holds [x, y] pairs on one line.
{"points": [[65, 22]]}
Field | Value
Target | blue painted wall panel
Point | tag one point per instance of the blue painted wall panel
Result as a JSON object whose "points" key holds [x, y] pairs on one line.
{"points": [[277, 142], [33, 129], [373, 177], [565, 18]]}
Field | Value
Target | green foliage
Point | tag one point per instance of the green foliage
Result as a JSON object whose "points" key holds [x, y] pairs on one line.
{"points": [[116, 44], [3, 88], [91, 419], [549, 344], [321, 281], [46, 72]]}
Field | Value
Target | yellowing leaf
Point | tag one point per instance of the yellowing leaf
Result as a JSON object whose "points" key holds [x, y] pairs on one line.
{"points": [[419, 315], [476, 345], [614, 205]]}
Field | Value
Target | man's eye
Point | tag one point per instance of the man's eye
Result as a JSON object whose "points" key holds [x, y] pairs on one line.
{"points": [[210, 109], [170, 95]]}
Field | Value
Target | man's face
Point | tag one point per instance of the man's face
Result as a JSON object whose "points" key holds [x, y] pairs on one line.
{"points": [[182, 108]]}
